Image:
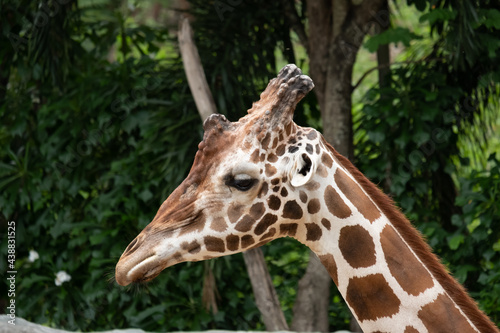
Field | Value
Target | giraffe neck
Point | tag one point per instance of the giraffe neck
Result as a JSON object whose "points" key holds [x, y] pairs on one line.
{"points": [[385, 271]]}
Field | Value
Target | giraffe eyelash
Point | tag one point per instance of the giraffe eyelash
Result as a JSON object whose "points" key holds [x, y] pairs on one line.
{"points": [[242, 184]]}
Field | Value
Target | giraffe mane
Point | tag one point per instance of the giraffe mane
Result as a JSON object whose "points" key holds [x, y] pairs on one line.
{"points": [[419, 246]]}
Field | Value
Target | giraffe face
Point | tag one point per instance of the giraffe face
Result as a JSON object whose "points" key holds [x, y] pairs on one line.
{"points": [[244, 189], [234, 199]]}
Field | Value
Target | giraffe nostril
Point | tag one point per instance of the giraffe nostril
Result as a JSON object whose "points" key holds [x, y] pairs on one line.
{"points": [[131, 247]]}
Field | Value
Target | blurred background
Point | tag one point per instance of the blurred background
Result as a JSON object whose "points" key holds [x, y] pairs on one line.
{"points": [[98, 126]]}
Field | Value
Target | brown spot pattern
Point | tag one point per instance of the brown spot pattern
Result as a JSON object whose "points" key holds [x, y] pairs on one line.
{"points": [[257, 210], [218, 224], [274, 202], [312, 135], [281, 150], [331, 266], [322, 171], [272, 158], [177, 256], [254, 158], [357, 246], [269, 234], [309, 148], [275, 143], [264, 223], [303, 196], [371, 297], [404, 266], [263, 190], [234, 212], [313, 206], [442, 316], [266, 141], [355, 195], [214, 244], [292, 210], [246, 241], [288, 229], [192, 247], [326, 224], [312, 186], [327, 160], [245, 224], [335, 204], [270, 170], [233, 242], [313, 232], [410, 329], [284, 192]]}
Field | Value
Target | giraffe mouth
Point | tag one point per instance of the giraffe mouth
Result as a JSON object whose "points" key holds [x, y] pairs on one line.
{"points": [[143, 271]]}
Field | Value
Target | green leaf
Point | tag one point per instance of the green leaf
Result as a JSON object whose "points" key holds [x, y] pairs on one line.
{"points": [[392, 35], [98, 238], [376, 136], [496, 246], [455, 241], [145, 195], [491, 18], [84, 194], [438, 15], [421, 137], [456, 220], [431, 96]]}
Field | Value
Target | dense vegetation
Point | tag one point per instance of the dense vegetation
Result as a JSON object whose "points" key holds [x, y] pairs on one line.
{"points": [[98, 126]]}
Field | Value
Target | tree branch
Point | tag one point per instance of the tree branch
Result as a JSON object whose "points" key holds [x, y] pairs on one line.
{"points": [[295, 22], [389, 65], [194, 71], [264, 291]]}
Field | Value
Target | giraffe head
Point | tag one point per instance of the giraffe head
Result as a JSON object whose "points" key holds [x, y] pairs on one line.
{"points": [[264, 177], [247, 186]]}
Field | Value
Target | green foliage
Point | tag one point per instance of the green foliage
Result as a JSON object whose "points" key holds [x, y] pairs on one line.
{"points": [[83, 168], [438, 15], [391, 35], [238, 44], [476, 238], [490, 18]]}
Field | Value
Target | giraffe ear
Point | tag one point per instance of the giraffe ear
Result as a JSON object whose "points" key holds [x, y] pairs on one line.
{"points": [[302, 170]]}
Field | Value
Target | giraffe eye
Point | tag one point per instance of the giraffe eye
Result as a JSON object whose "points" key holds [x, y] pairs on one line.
{"points": [[241, 182]]}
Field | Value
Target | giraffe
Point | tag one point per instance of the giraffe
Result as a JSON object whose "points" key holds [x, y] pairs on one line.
{"points": [[264, 177]]}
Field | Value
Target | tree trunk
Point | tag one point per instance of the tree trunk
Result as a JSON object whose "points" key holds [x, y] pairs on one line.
{"points": [[383, 63], [316, 281], [264, 292], [266, 297], [194, 71], [383, 51]]}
